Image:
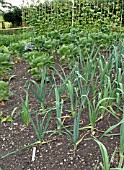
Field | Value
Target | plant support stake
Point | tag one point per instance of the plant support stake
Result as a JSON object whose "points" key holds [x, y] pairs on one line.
{"points": [[72, 13], [33, 154]]}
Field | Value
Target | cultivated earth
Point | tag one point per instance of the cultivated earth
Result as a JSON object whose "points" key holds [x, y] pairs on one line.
{"points": [[56, 152]]}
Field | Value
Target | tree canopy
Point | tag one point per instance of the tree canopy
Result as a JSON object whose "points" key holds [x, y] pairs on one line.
{"points": [[14, 16], [11, 13]]}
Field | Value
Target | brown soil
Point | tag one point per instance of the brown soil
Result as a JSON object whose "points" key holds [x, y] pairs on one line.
{"points": [[57, 151]]}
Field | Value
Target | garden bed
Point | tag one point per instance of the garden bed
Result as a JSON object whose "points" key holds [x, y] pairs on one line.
{"points": [[57, 151]]}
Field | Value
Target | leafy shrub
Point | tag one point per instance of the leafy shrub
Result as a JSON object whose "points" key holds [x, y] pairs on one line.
{"points": [[14, 16]]}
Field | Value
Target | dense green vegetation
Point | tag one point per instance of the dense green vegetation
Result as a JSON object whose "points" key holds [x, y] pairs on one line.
{"points": [[89, 41], [61, 15], [14, 16]]}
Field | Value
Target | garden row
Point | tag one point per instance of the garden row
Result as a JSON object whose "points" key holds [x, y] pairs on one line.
{"points": [[44, 49]]}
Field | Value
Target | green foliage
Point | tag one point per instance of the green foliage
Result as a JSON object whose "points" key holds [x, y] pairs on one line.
{"points": [[40, 90], [62, 15], [4, 90], [37, 60], [5, 64], [106, 163], [92, 55], [14, 16], [9, 39], [59, 107], [122, 135], [25, 110], [17, 48], [5, 119]]}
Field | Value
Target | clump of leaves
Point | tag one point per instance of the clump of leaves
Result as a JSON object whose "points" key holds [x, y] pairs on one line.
{"points": [[18, 48], [37, 60], [5, 64], [5, 119], [4, 90], [4, 49], [4, 57], [68, 53]]}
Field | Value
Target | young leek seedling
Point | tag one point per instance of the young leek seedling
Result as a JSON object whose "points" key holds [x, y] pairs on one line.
{"points": [[122, 143], [59, 107], [40, 91], [70, 87], [106, 163], [25, 110]]}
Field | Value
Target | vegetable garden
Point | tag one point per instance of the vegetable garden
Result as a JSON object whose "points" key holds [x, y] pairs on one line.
{"points": [[62, 87]]}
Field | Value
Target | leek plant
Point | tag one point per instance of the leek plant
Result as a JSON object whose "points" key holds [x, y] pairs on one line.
{"points": [[59, 107], [88, 69], [73, 133], [121, 124], [107, 92], [40, 92], [70, 88], [25, 110], [81, 88], [102, 69], [106, 163], [122, 143], [63, 79], [94, 110], [40, 127], [119, 94], [76, 128], [102, 95], [105, 157]]}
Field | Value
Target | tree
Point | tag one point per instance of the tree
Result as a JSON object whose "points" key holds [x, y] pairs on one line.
{"points": [[14, 16]]}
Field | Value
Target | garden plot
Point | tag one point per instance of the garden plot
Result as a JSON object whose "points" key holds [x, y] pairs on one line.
{"points": [[66, 115]]}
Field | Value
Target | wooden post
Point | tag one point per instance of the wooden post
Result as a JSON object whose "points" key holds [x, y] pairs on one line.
{"points": [[72, 13], [3, 25]]}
